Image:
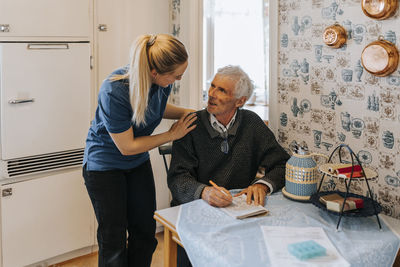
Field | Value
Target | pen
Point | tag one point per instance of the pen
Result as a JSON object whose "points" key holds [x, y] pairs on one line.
{"points": [[219, 188]]}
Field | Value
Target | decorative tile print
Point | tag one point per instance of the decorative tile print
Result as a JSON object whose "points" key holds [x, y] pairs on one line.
{"points": [[388, 96], [350, 2], [301, 127], [283, 97], [317, 29], [317, 116], [318, 53], [331, 11], [359, 31], [392, 180], [282, 136], [331, 100], [329, 134], [371, 125], [386, 161], [398, 147], [365, 157], [283, 119], [358, 70], [352, 91], [316, 88], [346, 103], [317, 138], [371, 142], [343, 60], [282, 58], [357, 127], [303, 107], [388, 139], [299, 27], [284, 40], [324, 74], [341, 137], [373, 102], [300, 44], [371, 79], [374, 29], [388, 111], [393, 80], [289, 84], [317, 3], [175, 28]]}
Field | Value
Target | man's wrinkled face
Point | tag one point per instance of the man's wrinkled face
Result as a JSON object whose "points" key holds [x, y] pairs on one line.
{"points": [[222, 102]]}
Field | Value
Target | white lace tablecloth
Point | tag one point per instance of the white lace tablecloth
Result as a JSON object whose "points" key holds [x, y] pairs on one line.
{"points": [[213, 238]]}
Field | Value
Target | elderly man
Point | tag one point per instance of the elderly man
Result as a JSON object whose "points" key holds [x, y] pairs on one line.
{"points": [[228, 146]]}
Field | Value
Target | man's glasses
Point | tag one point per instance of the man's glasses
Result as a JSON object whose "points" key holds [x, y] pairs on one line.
{"points": [[224, 144]]}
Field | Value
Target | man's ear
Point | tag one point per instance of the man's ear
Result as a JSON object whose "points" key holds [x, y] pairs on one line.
{"points": [[241, 101]]}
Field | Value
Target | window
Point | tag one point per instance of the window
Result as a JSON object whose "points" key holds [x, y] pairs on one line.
{"points": [[235, 32]]}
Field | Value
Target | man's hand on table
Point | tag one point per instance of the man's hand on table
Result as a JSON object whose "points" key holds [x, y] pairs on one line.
{"points": [[215, 197], [256, 192]]}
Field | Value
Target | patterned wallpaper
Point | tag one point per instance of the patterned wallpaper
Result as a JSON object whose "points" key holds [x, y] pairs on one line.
{"points": [[175, 28], [327, 98]]}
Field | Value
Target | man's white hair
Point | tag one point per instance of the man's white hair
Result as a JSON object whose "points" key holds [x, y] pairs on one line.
{"points": [[244, 85]]}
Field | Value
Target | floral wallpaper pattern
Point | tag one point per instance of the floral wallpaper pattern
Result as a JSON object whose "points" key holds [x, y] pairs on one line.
{"points": [[175, 27], [327, 98]]}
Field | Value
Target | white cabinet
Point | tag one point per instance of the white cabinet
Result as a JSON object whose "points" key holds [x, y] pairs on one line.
{"points": [[44, 18], [45, 217], [48, 109], [112, 35]]}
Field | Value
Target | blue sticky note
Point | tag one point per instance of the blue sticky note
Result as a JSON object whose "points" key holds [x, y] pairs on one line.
{"points": [[306, 250]]}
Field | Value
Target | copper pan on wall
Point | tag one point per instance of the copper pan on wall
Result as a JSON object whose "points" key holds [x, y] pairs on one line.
{"points": [[379, 9], [380, 57], [335, 36]]}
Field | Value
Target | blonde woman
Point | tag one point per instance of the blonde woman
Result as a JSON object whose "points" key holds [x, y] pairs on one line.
{"points": [[117, 169]]}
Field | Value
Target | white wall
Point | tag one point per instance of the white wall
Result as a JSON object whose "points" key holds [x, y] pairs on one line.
{"points": [[127, 19], [151, 16], [191, 12]]}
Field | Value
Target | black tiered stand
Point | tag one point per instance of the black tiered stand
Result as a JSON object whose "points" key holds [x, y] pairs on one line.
{"points": [[371, 207]]}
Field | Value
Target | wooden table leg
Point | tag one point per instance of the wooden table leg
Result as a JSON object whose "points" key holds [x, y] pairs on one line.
{"points": [[169, 249], [397, 260]]}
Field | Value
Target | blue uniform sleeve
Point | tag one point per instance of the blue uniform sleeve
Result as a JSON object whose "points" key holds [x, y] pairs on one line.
{"points": [[114, 107]]}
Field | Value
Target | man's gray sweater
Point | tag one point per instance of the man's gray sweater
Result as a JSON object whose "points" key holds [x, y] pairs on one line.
{"points": [[197, 157]]}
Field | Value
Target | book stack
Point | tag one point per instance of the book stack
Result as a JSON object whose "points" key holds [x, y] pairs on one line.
{"points": [[345, 172], [334, 202]]}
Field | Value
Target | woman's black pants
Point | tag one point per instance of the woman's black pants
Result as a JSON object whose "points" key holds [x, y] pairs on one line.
{"points": [[124, 203]]}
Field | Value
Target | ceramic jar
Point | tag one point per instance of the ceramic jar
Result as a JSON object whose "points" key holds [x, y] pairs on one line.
{"points": [[301, 176]]}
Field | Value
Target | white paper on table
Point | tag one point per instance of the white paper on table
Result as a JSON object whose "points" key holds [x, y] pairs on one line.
{"points": [[277, 238]]}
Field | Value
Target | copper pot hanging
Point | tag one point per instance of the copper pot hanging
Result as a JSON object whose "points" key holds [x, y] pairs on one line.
{"points": [[335, 36], [379, 9], [380, 57]]}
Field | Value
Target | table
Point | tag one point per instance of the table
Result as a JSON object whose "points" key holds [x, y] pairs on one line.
{"points": [[169, 217]]}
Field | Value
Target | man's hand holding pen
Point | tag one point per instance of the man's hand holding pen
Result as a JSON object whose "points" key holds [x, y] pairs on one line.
{"points": [[216, 196]]}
